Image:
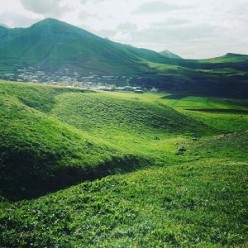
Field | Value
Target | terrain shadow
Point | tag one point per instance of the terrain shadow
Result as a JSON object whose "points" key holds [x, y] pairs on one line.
{"points": [[228, 111], [22, 180]]}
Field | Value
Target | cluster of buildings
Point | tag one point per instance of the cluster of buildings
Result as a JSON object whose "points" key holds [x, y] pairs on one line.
{"points": [[66, 77], [35, 75], [32, 74], [124, 88]]}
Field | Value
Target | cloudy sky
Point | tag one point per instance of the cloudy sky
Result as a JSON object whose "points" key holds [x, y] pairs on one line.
{"points": [[189, 28]]}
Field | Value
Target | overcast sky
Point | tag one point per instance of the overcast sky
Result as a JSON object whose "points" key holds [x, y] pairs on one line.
{"points": [[189, 28]]}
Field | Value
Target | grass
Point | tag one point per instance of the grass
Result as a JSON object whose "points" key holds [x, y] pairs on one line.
{"points": [[226, 115], [38, 148], [180, 175], [193, 204], [129, 123], [226, 147]]}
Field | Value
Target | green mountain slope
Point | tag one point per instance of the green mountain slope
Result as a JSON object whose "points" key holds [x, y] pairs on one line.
{"points": [[224, 76], [55, 45], [169, 54]]}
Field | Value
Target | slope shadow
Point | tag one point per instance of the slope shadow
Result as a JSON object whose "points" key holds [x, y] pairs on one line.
{"points": [[21, 178], [228, 111], [174, 96]]}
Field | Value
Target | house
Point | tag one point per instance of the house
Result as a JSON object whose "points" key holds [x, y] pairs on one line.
{"points": [[139, 91]]}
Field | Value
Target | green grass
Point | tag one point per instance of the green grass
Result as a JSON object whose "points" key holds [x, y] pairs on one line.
{"points": [[37, 148], [226, 115], [193, 204], [180, 175], [226, 147], [122, 119], [228, 58]]}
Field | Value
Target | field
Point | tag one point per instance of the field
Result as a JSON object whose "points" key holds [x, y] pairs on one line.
{"points": [[82, 168]]}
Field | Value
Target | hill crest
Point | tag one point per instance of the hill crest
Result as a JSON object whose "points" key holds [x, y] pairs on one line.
{"points": [[169, 54]]}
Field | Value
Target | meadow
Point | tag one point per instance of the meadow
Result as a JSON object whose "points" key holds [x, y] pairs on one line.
{"points": [[83, 168]]}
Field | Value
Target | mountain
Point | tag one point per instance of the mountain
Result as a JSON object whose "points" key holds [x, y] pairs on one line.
{"points": [[169, 54], [3, 25], [54, 46], [229, 58]]}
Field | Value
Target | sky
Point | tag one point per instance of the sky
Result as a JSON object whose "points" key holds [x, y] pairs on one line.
{"points": [[194, 29]]}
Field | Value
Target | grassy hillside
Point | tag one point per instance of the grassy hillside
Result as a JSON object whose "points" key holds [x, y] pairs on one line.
{"points": [[39, 153], [54, 45], [201, 204], [225, 76], [116, 119], [226, 114], [184, 158]]}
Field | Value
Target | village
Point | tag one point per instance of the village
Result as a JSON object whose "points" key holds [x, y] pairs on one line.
{"points": [[68, 78]]}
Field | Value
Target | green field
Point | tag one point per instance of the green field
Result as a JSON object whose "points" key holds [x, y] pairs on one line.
{"points": [[116, 169]]}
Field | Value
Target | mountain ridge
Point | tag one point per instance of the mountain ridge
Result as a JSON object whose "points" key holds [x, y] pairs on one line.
{"points": [[169, 54], [45, 42]]}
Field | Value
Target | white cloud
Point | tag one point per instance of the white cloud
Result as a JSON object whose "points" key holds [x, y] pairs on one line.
{"points": [[122, 37], [158, 7], [191, 28], [46, 7], [11, 18]]}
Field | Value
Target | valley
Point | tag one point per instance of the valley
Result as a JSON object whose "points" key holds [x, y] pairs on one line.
{"points": [[55, 52], [104, 144], [96, 168]]}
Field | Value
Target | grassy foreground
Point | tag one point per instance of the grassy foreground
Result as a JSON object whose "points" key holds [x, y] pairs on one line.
{"points": [[180, 174]]}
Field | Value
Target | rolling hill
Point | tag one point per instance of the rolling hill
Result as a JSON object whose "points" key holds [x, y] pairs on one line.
{"points": [[222, 76], [60, 136], [92, 168], [38, 153], [120, 169]]}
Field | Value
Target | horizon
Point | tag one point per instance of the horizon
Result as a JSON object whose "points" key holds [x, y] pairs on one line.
{"points": [[186, 28]]}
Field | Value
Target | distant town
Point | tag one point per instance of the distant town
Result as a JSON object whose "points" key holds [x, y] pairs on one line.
{"points": [[68, 78]]}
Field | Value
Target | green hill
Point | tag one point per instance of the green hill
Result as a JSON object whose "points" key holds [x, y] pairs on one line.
{"points": [[169, 54], [179, 165], [224, 76], [59, 136], [54, 45], [39, 153], [228, 58]]}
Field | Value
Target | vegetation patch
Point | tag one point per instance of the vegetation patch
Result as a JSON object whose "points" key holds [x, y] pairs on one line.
{"points": [[117, 169], [40, 154]]}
